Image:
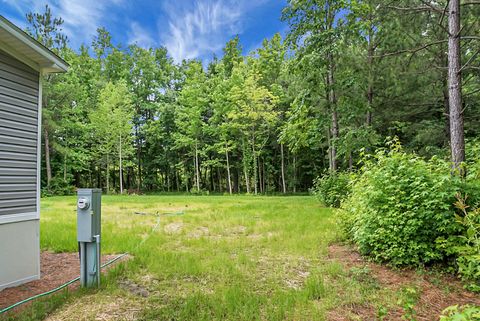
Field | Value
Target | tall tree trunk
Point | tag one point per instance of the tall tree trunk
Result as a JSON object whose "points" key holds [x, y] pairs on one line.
{"points": [[197, 167], [371, 53], [329, 151], [245, 171], [457, 138], [255, 167], [260, 175], [264, 178], [332, 99], [139, 159], [247, 183], [47, 156], [108, 174], [120, 166], [284, 187], [294, 173], [228, 171]]}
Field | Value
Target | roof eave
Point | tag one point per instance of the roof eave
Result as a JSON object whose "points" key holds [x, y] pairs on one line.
{"points": [[52, 69], [57, 63]]}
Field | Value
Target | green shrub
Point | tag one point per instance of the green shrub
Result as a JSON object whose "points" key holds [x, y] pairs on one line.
{"points": [[467, 248], [332, 188], [463, 313], [400, 205]]}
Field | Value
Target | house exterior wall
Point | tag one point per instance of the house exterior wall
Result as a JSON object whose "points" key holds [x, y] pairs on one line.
{"points": [[20, 252], [20, 95]]}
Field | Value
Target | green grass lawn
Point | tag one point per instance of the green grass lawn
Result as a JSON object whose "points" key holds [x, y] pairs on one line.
{"points": [[225, 258]]}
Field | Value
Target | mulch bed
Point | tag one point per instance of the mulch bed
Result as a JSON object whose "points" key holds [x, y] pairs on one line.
{"points": [[56, 269], [433, 298]]}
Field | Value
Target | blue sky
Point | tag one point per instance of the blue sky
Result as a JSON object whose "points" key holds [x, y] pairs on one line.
{"points": [[188, 28]]}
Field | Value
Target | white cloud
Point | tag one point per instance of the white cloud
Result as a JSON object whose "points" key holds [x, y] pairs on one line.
{"points": [[140, 36], [82, 17], [188, 28], [203, 28]]}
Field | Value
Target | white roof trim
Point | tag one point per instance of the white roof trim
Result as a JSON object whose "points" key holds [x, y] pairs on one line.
{"points": [[57, 63]]}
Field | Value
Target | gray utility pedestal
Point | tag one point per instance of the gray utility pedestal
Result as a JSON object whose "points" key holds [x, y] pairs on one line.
{"points": [[89, 210]]}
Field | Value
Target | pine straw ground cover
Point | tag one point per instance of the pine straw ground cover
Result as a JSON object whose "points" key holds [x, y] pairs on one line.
{"points": [[232, 258], [419, 295]]}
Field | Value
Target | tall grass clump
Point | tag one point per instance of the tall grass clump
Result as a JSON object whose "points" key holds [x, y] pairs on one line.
{"points": [[401, 208]]}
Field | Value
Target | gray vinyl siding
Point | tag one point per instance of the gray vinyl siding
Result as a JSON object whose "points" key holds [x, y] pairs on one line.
{"points": [[18, 136]]}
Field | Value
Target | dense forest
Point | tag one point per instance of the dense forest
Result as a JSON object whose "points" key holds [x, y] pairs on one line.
{"points": [[347, 75]]}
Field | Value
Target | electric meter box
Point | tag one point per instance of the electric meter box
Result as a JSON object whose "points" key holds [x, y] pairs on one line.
{"points": [[89, 209]]}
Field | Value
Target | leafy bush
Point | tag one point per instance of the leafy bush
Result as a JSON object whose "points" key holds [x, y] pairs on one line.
{"points": [[400, 205], [332, 188], [468, 249], [463, 313]]}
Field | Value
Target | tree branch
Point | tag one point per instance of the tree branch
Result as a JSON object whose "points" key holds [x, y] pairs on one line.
{"points": [[472, 92], [469, 61], [413, 9], [470, 38], [433, 7], [469, 3], [427, 7], [414, 50], [440, 22]]}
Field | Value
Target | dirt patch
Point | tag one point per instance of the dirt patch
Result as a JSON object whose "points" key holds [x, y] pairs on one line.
{"points": [[134, 288], [290, 272], [353, 312], [256, 236], [236, 230], [436, 292], [229, 233], [199, 232], [100, 308], [171, 288], [173, 228], [56, 269]]}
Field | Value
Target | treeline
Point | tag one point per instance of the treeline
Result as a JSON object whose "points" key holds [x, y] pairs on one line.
{"points": [[348, 74]]}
